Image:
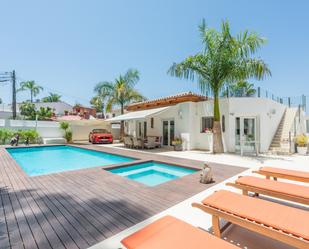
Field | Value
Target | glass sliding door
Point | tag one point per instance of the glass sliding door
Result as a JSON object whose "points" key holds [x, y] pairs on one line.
{"points": [[246, 134], [168, 132]]}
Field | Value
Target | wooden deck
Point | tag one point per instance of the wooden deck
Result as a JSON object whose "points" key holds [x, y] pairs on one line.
{"points": [[77, 209]]}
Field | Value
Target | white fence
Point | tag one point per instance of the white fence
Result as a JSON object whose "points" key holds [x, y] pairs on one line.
{"points": [[51, 129], [46, 129]]}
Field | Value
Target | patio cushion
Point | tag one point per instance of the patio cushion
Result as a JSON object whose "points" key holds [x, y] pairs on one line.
{"points": [[171, 233], [279, 187], [290, 220], [301, 174]]}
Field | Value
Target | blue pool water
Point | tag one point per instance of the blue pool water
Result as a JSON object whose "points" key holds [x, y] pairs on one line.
{"points": [[52, 159], [152, 173]]}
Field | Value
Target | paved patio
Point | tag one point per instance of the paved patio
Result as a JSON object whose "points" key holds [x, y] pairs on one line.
{"points": [[77, 209], [236, 235]]}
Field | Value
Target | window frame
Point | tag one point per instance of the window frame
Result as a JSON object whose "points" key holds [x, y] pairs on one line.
{"points": [[210, 127]]}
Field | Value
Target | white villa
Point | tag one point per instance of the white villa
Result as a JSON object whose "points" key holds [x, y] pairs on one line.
{"points": [[249, 124]]}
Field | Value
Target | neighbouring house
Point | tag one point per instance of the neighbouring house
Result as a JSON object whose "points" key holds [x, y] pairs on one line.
{"points": [[249, 124], [58, 108], [84, 111]]}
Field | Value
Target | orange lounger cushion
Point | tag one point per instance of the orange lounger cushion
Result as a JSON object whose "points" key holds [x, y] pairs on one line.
{"points": [[300, 174], [289, 220], [279, 187], [171, 233]]}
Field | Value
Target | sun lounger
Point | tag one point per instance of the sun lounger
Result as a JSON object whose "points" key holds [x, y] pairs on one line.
{"points": [[293, 175], [283, 223], [282, 190], [171, 233]]}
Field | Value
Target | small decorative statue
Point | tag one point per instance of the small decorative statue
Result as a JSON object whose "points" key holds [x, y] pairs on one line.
{"points": [[206, 175], [27, 141], [15, 140]]}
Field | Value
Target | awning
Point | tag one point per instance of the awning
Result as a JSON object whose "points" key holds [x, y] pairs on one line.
{"points": [[139, 114]]}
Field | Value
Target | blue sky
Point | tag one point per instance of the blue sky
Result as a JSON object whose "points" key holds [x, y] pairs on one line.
{"points": [[70, 45]]}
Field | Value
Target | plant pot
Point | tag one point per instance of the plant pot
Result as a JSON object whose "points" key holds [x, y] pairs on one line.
{"points": [[178, 147], [302, 150]]}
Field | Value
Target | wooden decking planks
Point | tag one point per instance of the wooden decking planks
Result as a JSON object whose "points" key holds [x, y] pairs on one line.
{"points": [[80, 208]]}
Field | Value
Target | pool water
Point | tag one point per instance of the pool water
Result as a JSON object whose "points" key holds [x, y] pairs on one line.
{"points": [[52, 159], [152, 173]]}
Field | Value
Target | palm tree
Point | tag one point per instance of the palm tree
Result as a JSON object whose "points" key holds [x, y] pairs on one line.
{"points": [[121, 92], [240, 89], [225, 59], [32, 87], [98, 103], [53, 97]]}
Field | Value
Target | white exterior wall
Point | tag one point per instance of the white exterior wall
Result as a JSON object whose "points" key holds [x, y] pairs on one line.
{"points": [[268, 113], [188, 116], [81, 129]]}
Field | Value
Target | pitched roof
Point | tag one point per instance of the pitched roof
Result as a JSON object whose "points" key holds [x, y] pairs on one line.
{"points": [[167, 101]]}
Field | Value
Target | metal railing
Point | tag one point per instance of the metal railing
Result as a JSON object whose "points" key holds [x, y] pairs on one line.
{"points": [[258, 92]]}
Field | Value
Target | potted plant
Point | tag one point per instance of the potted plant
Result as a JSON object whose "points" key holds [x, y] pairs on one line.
{"points": [[302, 143], [177, 143], [68, 135], [208, 130]]}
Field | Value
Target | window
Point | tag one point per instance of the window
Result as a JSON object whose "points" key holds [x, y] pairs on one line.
{"points": [[307, 125], [114, 115], [151, 123], [207, 124], [223, 123]]}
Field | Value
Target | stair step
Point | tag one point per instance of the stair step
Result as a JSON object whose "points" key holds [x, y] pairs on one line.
{"points": [[280, 142]]}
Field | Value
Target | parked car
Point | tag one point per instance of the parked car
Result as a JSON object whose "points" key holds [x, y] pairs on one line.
{"points": [[100, 136]]}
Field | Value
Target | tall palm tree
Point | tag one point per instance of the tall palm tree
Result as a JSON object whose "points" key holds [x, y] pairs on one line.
{"points": [[32, 87], [224, 60], [121, 92], [53, 97]]}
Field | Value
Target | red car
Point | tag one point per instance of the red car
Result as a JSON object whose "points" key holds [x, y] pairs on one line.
{"points": [[97, 136]]}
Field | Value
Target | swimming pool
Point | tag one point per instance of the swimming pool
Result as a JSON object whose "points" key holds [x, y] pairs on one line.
{"points": [[52, 159], [152, 173]]}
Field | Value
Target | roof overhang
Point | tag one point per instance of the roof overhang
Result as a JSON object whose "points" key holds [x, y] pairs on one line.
{"points": [[139, 114]]}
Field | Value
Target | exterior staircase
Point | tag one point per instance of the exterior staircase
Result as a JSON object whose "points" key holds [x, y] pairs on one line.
{"points": [[281, 141]]}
